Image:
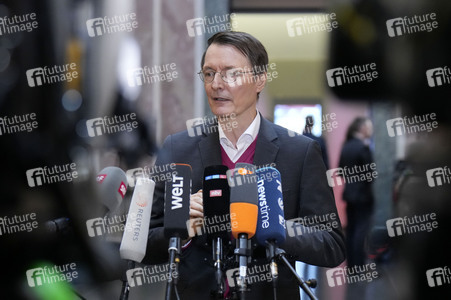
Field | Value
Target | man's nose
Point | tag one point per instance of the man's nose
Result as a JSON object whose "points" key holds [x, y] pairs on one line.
{"points": [[217, 82]]}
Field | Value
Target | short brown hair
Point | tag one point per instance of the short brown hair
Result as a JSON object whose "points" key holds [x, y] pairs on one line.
{"points": [[248, 45]]}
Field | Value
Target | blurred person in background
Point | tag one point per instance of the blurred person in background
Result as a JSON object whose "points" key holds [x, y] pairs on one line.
{"points": [[309, 122], [357, 195]]}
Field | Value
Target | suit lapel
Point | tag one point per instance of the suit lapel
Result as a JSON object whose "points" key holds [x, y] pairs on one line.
{"points": [[266, 148]]}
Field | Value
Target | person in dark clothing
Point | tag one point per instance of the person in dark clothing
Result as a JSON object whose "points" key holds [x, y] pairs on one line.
{"points": [[355, 159], [309, 122], [232, 82]]}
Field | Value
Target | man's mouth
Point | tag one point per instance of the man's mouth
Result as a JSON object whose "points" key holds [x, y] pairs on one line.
{"points": [[221, 99]]}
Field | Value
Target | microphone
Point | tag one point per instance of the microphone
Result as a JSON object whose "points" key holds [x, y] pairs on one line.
{"points": [[271, 224], [176, 205], [216, 200], [134, 241], [176, 215], [112, 186], [271, 220], [58, 226], [243, 213]]}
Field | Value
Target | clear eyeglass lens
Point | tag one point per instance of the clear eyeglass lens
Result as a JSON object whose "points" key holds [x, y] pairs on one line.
{"points": [[229, 76]]}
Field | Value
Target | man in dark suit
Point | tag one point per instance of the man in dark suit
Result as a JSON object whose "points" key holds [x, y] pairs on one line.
{"points": [[239, 60]]}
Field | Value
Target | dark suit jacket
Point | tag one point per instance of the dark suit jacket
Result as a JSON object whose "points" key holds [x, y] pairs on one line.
{"points": [[322, 145], [356, 153], [305, 193]]}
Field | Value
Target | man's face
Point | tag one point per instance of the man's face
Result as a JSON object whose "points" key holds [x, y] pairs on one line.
{"points": [[226, 98]]}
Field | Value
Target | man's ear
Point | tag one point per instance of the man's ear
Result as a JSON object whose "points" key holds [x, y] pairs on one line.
{"points": [[260, 81]]}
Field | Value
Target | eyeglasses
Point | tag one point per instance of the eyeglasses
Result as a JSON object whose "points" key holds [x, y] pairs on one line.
{"points": [[229, 76]]}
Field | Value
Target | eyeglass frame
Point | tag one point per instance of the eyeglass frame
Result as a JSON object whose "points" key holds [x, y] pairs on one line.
{"points": [[202, 77]]}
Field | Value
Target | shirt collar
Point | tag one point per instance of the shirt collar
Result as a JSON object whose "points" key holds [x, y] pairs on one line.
{"points": [[250, 133]]}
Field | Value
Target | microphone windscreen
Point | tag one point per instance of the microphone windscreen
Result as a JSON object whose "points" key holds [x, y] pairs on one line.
{"points": [[112, 186], [243, 218], [216, 198], [243, 199], [271, 218], [134, 240], [243, 183], [176, 203]]}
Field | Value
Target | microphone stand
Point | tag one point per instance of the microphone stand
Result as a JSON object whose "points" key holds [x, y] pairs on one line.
{"points": [[243, 252], [280, 254], [218, 257], [174, 252], [270, 254], [125, 286]]}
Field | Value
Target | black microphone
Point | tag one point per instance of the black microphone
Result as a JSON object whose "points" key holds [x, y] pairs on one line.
{"points": [[58, 226], [216, 200], [271, 219], [243, 214], [176, 215]]}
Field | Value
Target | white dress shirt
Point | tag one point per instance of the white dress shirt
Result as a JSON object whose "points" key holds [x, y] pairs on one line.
{"points": [[244, 141]]}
